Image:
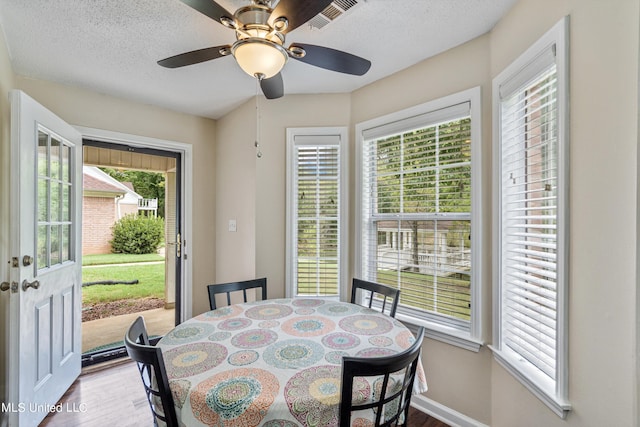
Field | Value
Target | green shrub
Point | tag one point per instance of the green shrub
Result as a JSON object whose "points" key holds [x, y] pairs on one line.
{"points": [[135, 234]]}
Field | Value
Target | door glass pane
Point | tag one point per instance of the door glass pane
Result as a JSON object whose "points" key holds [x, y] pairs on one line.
{"points": [[42, 246], [66, 170], [66, 243], [55, 244], [66, 190], [55, 201], [43, 200], [55, 158], [43, 154]]}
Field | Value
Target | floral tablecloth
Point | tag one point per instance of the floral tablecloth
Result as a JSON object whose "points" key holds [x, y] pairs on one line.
{"points": [[275, 362]]}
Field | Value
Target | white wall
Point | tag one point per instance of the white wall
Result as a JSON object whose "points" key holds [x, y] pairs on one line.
{"points": [[235, 172], [255, 188]]}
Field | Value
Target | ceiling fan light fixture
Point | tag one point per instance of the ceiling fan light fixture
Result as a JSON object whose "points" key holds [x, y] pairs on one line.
{"points": [[260, 30], [259, 57]]}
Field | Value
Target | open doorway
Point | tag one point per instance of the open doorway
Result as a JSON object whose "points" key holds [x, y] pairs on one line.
{"points": [[120, 284]]}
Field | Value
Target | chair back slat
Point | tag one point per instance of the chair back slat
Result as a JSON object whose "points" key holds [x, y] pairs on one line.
{"points": [[388, 294], [228, 288], [391, 405], [152, 372]]}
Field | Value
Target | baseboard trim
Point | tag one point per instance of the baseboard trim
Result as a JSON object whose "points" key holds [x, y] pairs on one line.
{"points": [[444, 413]]}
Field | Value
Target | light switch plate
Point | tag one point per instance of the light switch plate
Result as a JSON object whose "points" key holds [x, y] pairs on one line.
{"points": [[232, 225]]}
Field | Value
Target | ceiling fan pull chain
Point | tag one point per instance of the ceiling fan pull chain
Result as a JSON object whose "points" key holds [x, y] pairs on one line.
{"points": [[257, 145]]}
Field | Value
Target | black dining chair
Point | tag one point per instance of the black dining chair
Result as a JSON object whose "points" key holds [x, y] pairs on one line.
{"points": [[153, 373], [388, 402], [388, 295], [236, 286]]}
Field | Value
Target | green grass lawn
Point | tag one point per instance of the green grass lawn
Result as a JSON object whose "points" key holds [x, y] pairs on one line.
{"points": [[307, 284], [417, 290], [452, 295], [150, 276]]}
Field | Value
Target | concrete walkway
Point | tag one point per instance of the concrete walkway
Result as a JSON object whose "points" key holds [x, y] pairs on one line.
{"points": [[123, 264], [102, 332]]}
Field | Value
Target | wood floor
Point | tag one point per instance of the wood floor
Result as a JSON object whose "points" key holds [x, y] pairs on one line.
{"points": [[114, 396]]}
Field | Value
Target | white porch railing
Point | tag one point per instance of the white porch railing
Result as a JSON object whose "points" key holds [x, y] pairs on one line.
{"points": [[148, 205]]}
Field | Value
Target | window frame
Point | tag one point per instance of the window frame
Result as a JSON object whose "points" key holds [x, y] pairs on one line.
{"points": [[472, 338], [555, 41], [290, 265], [60, 182]]}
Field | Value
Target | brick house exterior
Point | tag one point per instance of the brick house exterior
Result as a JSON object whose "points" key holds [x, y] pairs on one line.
{"points": [[104, 201]]}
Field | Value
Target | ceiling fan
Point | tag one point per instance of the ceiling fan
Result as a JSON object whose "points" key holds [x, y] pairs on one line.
{"points": [[260, 37]]}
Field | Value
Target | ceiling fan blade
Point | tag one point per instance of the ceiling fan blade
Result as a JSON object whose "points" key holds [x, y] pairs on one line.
{"points": [[297, 12], [209, 8], [331, 59], [272, 88], [194, 57]]}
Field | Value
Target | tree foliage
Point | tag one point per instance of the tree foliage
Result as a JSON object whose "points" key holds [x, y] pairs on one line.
{"points": [[426, 170], [150, 185]]}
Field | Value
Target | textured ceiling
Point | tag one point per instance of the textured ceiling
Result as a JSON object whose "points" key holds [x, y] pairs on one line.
{"points": [[111, 46]]}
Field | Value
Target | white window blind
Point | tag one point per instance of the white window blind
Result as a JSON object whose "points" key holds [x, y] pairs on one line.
{"points": [[416, 208], [316, 225], [529, 220], [531, 207]]}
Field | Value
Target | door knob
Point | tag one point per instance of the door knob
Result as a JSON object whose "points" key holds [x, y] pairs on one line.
{"points": [[26, 285], [27, 260]]}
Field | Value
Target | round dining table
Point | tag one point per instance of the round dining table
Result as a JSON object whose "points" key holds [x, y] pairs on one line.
{"points": [[273, 363]]}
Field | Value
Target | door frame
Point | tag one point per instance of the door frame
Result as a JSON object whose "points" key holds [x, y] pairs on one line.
{"points": [[186, 196]]}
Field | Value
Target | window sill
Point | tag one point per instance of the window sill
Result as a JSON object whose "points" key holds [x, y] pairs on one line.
{"points": [[557, 404], [442, 333]]}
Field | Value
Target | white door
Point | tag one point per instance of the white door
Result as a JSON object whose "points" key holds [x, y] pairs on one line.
{"points": [[45, 299]]}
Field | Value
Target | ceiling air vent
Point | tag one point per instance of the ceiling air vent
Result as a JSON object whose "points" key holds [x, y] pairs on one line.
{"points": [[331, 13]]}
